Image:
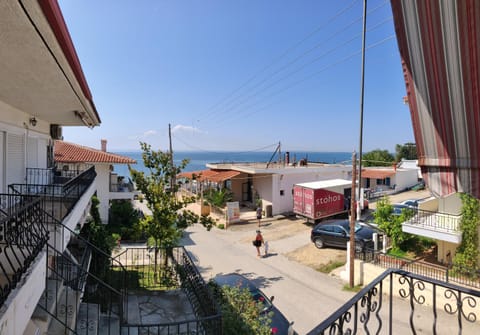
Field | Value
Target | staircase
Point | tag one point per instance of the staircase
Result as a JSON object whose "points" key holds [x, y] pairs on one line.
{"points": [[75, 300]]}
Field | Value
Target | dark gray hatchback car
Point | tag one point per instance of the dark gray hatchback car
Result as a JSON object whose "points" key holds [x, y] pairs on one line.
{"points": [[336, 233], [280, 325]]}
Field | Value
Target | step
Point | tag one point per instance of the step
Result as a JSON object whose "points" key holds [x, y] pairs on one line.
{"points": [[87, 320], [66, 312], [54, 288], [109, 325]]}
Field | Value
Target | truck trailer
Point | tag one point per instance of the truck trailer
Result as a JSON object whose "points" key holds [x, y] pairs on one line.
{"points": [[320, 199]]}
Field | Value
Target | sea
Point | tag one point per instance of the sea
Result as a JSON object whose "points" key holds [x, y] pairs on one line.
{"points": [[198, 159]]}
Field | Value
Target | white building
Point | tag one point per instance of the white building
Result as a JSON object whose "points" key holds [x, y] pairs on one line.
{"points": [[42, 90], [110, 186], [273, 185]]}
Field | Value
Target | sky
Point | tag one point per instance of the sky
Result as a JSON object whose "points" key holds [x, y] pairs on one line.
{"points": [[239, 75]]}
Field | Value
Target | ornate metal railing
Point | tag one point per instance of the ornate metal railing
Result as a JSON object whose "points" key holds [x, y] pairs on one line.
{"points": [[450, 274], [23, 236], [85, 293], [59, 198], [407, 303], [197, 291], [171, 268]]}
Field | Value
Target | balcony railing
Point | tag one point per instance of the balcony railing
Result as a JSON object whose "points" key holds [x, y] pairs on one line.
{"points": [[435, 221], [59, 198], [23, 236], [450, 274], [177, 270], [407, 303]]}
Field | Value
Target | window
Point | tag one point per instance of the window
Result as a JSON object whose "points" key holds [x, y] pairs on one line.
{"points": [[282, 192]]}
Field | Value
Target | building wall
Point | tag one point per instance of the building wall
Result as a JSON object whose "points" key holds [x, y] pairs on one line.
{"points": [[103, 189], [451, 204], [277, 190], [22, 145], [405, 179]]}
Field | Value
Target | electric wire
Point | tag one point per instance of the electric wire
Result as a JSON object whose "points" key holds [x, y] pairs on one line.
{"points": [[232, 116], [285, 53], [299, 57]]}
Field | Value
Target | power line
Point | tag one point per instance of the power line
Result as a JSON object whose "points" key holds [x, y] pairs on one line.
{"points": [[290, 63], [286, 52], [232, 116]]}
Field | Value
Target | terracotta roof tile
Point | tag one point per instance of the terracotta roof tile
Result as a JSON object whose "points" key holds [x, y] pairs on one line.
{"points": [[377, 173], [65, 152]]}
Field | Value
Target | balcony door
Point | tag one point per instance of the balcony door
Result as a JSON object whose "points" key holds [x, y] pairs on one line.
{"points": [[15, 158]]}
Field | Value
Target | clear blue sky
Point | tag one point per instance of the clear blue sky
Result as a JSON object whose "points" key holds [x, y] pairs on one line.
{"points": [[239, 75]]}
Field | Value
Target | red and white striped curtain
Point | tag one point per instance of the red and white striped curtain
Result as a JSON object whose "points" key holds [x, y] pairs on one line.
{"points": [[439, 46]]}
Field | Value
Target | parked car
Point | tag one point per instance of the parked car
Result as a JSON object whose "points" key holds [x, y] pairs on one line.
{"points": [[280, 325], [410, 203], [336, 233]]}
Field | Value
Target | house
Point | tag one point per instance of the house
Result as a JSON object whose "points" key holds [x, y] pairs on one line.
{"points": [[379, 181], [47, 285], [74, 157], [272, 184], [42, 90]]}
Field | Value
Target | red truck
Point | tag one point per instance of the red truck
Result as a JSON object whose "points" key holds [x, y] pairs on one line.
{"points": [[320, 199]]}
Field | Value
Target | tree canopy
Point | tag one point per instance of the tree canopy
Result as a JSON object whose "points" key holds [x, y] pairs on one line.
{"points": [[378, 157], [169, 211], [407, 151]]}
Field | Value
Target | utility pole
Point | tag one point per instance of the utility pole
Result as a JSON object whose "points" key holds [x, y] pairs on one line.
{"points": [[173, 177], [352, 221], [362, 86]]}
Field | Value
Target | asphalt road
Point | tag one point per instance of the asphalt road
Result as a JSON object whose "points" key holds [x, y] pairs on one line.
{"points": [[304, 295]]}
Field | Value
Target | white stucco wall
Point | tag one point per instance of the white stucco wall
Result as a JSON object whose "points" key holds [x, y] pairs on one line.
{"points": [[103, 190], [269, 187], [22, 301], [404, 179]]}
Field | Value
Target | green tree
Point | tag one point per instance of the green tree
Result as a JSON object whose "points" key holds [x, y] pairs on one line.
{"points": [[378, 158], [467, 254], [169, 212], [407, 151], [219, 198], [96, 233], [392, 224], [123, 219], [241, 315]]}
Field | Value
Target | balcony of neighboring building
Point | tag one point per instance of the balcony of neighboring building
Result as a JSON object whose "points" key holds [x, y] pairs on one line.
{"points": [[121, 188], [435, 225]]}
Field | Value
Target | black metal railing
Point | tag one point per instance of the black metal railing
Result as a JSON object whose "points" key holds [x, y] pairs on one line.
{"points": [[150, 269], [40, 176], [447, 273], [59, 198], [407, 303], [23, 236], [86, 288], [435, 220], [89, 306]]}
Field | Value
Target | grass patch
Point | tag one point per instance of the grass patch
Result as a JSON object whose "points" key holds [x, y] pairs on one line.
{"points": [[356, 288], [401, 254], [330, 266], [143, 278]]}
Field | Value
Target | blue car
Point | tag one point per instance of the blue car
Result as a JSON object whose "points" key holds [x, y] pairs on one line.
{"points": [[280, 325]]}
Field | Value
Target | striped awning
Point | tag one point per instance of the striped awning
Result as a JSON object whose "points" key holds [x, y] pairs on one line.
{"points": [[439, 46]]}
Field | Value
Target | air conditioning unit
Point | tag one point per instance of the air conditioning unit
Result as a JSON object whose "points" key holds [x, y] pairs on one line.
{"points": [[56, 132]]}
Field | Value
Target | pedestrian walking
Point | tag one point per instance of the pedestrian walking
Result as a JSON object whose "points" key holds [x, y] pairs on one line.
{"points": [[258, 242], [265, 246], [259, 215]]}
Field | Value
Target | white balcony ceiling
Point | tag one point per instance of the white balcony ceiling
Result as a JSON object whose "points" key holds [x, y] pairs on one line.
{"points": [[37, 77]]}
